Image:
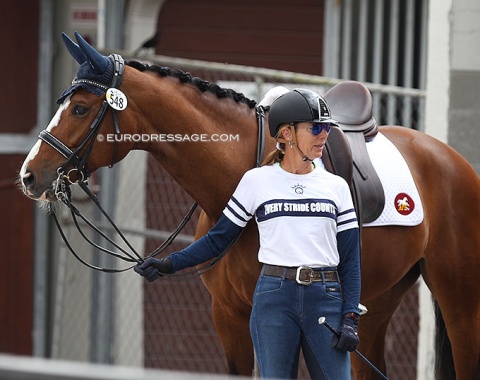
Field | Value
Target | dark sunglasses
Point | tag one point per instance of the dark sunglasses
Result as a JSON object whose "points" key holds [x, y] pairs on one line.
{"points": [[317, 128]]}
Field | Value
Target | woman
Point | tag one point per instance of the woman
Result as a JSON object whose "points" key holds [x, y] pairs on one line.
{"points": [[309, 245]]}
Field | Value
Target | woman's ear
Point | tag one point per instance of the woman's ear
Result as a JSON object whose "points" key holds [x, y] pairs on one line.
{"points": [[286, 133]]}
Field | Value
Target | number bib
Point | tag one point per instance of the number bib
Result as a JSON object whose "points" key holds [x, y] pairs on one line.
{"points": [[116, 99]]}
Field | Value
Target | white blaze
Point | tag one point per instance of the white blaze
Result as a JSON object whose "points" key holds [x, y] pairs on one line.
{"points": [[34, 151]]}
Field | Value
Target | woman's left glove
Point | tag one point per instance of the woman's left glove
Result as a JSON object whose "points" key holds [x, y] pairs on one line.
{"points": [[347, 339], [153, 268]]}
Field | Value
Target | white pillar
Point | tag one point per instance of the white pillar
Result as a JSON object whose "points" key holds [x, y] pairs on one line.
{"points": [[436, 124], [438, 69]]}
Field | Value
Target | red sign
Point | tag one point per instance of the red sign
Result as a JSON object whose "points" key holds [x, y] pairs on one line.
{"points": [[85, 15]]}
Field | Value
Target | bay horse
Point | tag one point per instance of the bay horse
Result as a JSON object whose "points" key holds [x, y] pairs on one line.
{"points": [[444, 248]]}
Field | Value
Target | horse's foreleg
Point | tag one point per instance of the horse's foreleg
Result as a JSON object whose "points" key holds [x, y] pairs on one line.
{"points": [[372, 342], [231, 283], [234, 334], [373, 327]]}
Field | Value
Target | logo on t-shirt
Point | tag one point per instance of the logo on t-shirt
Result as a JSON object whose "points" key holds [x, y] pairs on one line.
{"points": [[298, 188]]}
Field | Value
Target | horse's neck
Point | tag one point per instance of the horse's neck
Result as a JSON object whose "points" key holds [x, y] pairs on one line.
{"points": [[207, 170]]}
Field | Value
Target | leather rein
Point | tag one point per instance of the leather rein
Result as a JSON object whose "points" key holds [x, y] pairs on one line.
{"points": [[64, 180]]}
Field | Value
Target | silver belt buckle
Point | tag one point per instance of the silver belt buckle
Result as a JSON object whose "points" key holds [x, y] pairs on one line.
{"points": [[310, 276]]}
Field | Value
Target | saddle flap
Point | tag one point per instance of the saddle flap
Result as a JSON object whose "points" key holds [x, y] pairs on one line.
{"points": [[337, 156], [351, 106]]}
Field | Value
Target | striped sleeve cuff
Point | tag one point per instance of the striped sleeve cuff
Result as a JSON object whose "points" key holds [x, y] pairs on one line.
{"points": [[347, 220], [237, 213]]}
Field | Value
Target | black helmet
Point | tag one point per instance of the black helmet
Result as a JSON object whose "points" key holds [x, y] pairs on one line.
{"points": [[296, 106]]}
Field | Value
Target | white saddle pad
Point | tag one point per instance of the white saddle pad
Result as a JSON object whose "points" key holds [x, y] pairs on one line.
{"points": [[403, 206]]}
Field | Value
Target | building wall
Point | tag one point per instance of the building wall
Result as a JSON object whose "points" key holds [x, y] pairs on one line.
{"points": [[19, 46], [282, 35], [18, 106]]}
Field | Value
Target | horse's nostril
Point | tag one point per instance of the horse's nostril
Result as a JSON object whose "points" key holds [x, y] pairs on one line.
{"points": [[28, 180]]}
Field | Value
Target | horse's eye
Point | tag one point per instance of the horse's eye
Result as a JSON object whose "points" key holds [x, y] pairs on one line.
{"points": [[79, 110]]}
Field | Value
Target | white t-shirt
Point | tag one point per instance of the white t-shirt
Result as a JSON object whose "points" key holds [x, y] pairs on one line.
{"points": [[298, 215]]}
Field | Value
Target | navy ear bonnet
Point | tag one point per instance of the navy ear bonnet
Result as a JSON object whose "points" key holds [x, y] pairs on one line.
{"points": [[85, 72], [95, 69]]}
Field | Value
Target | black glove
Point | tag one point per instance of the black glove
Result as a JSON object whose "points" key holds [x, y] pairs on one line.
{"points": [[347, 339], [153, 268]]}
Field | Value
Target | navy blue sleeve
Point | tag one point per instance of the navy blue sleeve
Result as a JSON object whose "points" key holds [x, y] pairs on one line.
{"points": [[348, 243], [217, 241]]}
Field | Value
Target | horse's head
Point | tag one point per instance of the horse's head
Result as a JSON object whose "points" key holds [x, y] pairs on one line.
{"points": [[72, 145]]}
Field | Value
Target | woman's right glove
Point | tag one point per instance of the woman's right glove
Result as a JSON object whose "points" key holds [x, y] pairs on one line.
{"points": [[153, 268], [347, 339]]}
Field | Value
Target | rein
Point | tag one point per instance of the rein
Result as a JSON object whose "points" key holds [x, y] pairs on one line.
{"points": [[73, 158]]}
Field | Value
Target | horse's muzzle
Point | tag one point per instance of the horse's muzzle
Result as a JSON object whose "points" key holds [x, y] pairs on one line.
{"points": [[31, 189]]}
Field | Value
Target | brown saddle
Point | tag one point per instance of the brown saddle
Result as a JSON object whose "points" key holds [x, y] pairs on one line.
{"points": [[346, 154]]}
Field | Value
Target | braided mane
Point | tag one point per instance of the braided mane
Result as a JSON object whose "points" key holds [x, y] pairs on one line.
{"points": [[201, 84]]}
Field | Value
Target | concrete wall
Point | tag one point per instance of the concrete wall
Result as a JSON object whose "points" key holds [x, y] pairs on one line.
{"points": [[453, 76], [464, 112]]}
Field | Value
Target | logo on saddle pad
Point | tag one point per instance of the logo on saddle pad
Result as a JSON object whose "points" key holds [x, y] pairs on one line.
{"points": [[404, 204]]}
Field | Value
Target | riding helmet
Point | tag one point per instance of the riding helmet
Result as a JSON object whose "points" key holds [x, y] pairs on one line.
{"points": [[296, 106]]}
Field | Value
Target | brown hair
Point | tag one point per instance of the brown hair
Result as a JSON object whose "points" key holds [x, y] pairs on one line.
{"points": [[277, 154]]}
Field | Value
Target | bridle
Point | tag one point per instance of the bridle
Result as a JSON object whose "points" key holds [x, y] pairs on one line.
{"points": [[78, 161], [73, 156]]}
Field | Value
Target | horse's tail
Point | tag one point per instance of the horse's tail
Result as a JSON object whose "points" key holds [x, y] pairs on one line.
{"points": [[444, 367]]}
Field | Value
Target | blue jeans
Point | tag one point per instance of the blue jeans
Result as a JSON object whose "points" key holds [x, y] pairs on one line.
{"points": [[285, 318]]}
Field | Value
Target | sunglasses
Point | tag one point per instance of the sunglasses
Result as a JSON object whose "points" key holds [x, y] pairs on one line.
{"points": [[317, 128]]}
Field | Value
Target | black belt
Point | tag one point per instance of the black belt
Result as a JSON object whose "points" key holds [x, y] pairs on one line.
{"points": [[303, 275]]}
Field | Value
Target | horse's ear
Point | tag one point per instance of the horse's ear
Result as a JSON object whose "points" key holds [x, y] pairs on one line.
{"points": [[73, 49], [98, 62]]}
